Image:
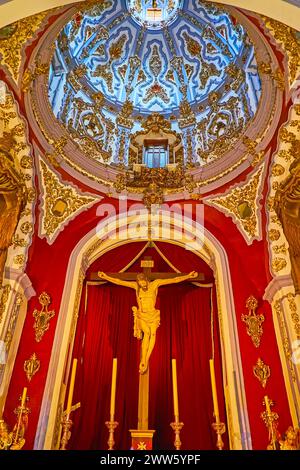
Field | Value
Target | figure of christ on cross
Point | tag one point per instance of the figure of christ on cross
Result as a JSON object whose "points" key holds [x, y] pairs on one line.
{"points": [[146, 316]]}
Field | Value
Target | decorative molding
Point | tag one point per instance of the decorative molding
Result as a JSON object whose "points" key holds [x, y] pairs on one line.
{"points": [[32, 366], [242, 203], [278, 311], [4, 296], [276, 285], [294, 313], [254, 322], [61, 203]]}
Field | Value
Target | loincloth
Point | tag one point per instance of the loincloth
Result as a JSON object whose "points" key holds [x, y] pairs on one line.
{"points": [[151, 318]]}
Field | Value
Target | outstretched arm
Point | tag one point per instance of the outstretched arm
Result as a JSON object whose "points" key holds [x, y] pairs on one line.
{"points": [[176, 280], [115, 280]]}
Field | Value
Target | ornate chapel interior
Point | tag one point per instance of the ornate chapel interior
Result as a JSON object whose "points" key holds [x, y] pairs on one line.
{"points": [[149, 225]]}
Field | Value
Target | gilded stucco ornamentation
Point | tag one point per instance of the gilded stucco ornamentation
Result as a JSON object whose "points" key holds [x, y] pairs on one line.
{"points": [[278, 264], [61, 203], [251, 146], [124, 118], [13, 322], [274, 235], [276, 75], [241, 203], [289, 40], [283, 186], [29, 75], [154, 183], [294, 314], [32, 366], [19, 261], [285, 339], [42, 317], [4, 296], [153, 196], [262, 372], [253, 321], [12, 48]]}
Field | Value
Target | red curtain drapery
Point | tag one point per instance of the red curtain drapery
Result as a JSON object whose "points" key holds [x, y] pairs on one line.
{"points": [[105, 330]]}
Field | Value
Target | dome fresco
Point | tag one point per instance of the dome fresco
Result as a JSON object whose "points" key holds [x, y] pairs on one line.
{"points": [[155, 70], [195, 65]]}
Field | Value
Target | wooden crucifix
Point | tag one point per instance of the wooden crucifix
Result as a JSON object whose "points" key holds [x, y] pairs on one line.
{"points": [[146, 317]]}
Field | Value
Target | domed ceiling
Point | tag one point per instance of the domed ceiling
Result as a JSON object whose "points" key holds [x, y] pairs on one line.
{"points": [[189, 53], [187, 80]]}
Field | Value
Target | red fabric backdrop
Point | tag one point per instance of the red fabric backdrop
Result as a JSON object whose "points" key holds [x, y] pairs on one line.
{"points": [[105, 331]]}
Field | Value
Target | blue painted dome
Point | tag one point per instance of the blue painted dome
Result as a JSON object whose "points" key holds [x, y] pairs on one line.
{"points": [[194, 50]]}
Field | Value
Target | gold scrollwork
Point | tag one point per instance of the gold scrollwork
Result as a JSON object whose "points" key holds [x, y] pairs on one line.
{"points": [[241, 203], [295, 315], [288, 38], [262, 372], [29, 76], [61, 202], [153, 196], [42, 317], [12, 48], [32, 366], [253, 321]]}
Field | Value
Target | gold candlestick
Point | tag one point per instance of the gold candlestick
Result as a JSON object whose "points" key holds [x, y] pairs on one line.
{"points": [[220, 429], [18, 433], [270, 417], [112, 426], [177, 428], [67, 424]]}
